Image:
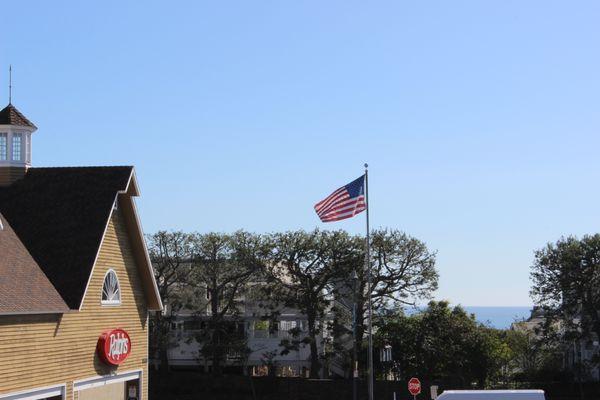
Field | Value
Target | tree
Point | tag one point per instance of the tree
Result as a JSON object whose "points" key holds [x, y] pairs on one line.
{"points": [[403, 271], [532, 358], [223, 266], [443, 344], [170, 253], [302, 270], [566, 285]]}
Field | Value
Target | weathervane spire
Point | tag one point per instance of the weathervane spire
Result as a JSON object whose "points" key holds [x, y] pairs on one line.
{"points": [[10, 84]]}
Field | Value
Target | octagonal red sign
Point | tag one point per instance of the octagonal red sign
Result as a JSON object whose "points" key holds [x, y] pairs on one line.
{"points": [[114, 346], [414, 386]]}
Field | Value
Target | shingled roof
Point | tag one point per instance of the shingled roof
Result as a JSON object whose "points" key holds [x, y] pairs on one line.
{"points": [[9, 115], [60, 215], [24, 288]]}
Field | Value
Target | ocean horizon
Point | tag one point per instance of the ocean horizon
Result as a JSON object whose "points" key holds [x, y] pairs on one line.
{"points": [[499, 317]]}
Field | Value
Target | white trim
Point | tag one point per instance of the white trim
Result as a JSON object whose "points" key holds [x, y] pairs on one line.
{"points": [[25, 133], [35, 394], [98, 381], [19, 127], [133, 178], [148, 262]]}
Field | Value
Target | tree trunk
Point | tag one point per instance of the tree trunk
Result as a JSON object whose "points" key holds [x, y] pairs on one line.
{"points": [[315, 366], [216, 354], [216, 336], [161, 341]]}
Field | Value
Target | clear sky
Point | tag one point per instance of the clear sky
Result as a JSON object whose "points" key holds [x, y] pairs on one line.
{"points": [[480, 119]]}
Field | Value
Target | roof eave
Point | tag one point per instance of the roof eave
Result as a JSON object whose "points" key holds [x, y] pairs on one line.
{"points": [[30, 129], [35, 312]]}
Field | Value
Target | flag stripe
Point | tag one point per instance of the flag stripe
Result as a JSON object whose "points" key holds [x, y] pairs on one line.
{"points": [[339, 217], [349, 208], [343, 216], [332, 199], [351, 204], [328, 198]]}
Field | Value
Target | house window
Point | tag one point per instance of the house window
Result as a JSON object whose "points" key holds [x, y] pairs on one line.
{"points": [[385, 354], [16, 147], [194, 325], [111, 291], [3, 146], [261, 329], [287, 325]]}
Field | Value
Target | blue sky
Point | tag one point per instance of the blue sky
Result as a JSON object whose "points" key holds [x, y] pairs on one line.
{"points": [[479, 119]]}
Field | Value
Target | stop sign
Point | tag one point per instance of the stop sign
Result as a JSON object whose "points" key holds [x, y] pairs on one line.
{"points": [[414, 386]]}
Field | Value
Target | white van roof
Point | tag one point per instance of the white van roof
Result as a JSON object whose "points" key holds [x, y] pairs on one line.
{"points": [[492, 395]]}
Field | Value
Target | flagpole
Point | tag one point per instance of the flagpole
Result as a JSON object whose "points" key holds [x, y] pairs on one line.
{"points": [[369, 284]]}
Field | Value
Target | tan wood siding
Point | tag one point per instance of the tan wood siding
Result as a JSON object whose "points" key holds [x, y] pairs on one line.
{"points": [[9, 175], [43, 350], [113, 391]]}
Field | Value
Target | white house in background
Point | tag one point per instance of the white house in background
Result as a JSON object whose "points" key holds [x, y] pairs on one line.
{"points": [[263, 341], [578, 356], [574, 353]]}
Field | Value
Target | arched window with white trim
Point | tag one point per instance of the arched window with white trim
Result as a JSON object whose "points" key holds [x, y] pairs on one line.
{"points": [[111, 290]]}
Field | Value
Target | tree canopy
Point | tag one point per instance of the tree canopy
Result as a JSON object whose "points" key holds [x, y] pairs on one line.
{"points": [[443, 344], [566, 286]]}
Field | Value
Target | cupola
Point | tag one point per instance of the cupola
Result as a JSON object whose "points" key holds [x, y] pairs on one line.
{"points": [[15, 144]]}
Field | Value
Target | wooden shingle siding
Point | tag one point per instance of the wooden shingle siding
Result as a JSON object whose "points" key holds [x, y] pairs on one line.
{"points": [[44, 350], [8, 175]]}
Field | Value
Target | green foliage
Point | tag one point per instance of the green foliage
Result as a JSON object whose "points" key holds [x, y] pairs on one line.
{"points": [[531, 358], [403, 271], [307, 271], [302, 271], [222, 266], [566, 286], [170, 253], [444, 344]]}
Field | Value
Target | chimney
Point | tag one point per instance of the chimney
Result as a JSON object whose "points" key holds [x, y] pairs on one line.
{"points": [[15, 145]]}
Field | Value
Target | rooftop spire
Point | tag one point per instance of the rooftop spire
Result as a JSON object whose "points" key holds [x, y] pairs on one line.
{"points": [[10, 84]]}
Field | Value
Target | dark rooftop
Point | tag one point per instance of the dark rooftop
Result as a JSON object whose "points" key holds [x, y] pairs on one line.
{"points": [[24, 288], [9, 115], [60, 215]]}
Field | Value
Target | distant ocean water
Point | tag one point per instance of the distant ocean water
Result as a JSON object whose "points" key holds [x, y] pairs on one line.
{"points": [[499, 317], [496, 317]]}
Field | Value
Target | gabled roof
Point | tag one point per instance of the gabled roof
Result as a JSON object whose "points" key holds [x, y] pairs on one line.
{"points": [[24, 288], [9, 115], [60, 215]]}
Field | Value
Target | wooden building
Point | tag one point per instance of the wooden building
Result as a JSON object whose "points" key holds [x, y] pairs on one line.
{"points": [[76, 282]]}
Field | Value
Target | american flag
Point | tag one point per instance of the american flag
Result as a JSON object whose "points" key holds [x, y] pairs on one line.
{"points": [[345, 202]]}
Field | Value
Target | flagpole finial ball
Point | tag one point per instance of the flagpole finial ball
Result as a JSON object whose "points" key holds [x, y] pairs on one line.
{"points": [[366, 165]]}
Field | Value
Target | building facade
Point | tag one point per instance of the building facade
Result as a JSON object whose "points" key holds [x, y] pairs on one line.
{"points": [[263, 339], [579, 354], [264, 329], [76, 283]]}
